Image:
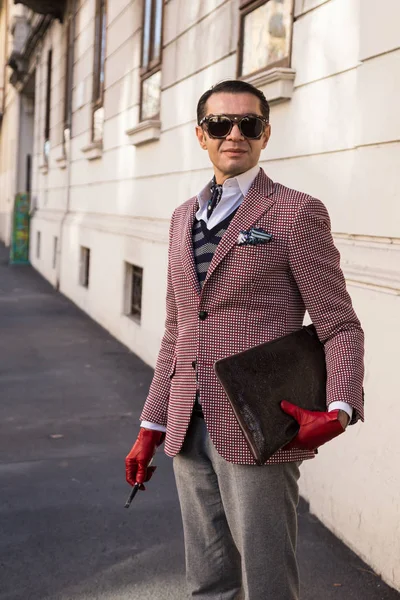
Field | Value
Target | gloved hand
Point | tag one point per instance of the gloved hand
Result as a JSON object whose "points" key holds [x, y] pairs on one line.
{"points": [[143, 450], [316, 428]]}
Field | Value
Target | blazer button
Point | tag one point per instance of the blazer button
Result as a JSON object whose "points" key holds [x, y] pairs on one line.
{"points": [[194, 364], [203, 314]]}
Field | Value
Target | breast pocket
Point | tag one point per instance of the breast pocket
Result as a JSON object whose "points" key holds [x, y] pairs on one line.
{"points": [[258, 259]]}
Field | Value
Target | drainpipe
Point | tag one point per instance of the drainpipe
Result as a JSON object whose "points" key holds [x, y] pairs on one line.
{"points": [[62, 224], [3, 101]]}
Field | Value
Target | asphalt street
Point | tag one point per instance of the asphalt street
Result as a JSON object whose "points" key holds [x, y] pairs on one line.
{"points": [[70, 399]]}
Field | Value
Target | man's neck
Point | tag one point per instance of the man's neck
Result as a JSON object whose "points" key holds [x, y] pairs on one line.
{"points": [[220, 178]]}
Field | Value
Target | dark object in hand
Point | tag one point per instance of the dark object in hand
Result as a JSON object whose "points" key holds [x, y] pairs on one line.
{"points": [[257, 380], [131, 496]]}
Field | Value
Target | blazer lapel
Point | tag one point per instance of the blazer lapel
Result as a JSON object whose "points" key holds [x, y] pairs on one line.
{"points": [[187, 246], [256, 202]]}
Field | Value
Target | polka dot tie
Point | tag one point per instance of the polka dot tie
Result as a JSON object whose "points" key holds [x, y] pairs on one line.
{"points": [[216, 194]]}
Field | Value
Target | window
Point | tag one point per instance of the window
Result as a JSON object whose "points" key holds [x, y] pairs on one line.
{"points": [[84, 270], [69, 62], [28, 173], [133, 291], [98, 70], [265, 35], [46, 147], [55, 247], [151, 60], [38, 239]]}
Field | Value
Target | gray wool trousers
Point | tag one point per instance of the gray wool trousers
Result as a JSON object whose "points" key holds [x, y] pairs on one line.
{"points": [[239, 521]]}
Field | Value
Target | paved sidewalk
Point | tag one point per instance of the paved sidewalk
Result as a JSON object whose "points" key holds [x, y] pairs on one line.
{"points": [[70, 398]]}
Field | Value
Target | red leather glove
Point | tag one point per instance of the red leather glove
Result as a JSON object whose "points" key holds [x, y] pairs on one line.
{"points": [[143, 450], [316, 428]]}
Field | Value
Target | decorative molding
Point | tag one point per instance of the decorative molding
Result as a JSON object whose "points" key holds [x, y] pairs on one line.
{"points": [[27, 35], [54, 8], [44, 168], [149, 230], [46, 214], [371, 262], [276, 84], [368, 262], [93, 150], [61, 161], [145, 132]]}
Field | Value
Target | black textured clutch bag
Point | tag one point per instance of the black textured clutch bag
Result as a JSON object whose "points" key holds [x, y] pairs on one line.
{"points": [[257, 380]]}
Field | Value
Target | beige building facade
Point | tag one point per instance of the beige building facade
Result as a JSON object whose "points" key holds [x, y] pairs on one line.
{"points": [[103, 98]]}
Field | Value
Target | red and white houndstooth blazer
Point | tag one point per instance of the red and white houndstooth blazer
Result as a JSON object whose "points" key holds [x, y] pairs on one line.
{"points": [[252, 294]]}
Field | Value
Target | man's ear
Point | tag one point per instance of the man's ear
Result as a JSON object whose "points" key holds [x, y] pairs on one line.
{"points": [[266, 136], [201, 137]]}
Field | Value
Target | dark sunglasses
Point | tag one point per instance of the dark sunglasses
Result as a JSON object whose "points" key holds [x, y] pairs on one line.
{"points": [[219, 126]]}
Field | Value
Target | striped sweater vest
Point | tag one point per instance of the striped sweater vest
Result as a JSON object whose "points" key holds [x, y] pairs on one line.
{"points": [[205, 242]]}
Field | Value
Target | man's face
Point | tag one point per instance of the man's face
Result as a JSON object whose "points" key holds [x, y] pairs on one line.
{"points": [[234, 154]]}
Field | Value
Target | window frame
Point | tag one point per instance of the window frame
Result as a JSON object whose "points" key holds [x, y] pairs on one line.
{"points": [[38, 243], [84, 266], [245, 8], [55, 251], [134, 312], [47, 113], [68, 73], [99, 60], [154, 65]]}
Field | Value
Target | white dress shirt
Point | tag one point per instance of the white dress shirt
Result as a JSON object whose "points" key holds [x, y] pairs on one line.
{"points": [[234, 190]]}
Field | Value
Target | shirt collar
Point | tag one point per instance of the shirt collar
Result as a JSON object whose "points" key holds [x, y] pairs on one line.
{"points": [[241, 182]]}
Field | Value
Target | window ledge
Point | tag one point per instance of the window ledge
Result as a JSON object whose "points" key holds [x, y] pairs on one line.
{"points": [[61, 161], [44, 168], [133, 319], [277, 84], [147, 131], [93, 150]]}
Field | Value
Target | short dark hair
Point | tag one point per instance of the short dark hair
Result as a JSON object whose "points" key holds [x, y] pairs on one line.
{"points": [[232, 86]]}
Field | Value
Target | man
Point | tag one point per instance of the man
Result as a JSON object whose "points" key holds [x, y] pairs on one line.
{"points": [[225, 295]]}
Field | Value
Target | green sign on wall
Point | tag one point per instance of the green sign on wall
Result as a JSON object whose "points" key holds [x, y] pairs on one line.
{"points": [[19, 254]]}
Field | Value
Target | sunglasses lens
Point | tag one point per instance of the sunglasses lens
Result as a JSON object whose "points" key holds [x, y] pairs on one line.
{"points": [[218, 127], [251, 127]]}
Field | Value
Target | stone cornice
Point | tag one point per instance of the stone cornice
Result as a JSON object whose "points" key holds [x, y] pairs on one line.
{"points": [[150, 230], [371, 263], [21, 55], [53, 8]]}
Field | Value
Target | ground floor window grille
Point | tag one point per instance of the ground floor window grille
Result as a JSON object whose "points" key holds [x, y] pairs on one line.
{"points": [[38, 242], [55, 248], [133, 291], [84, 272]]}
